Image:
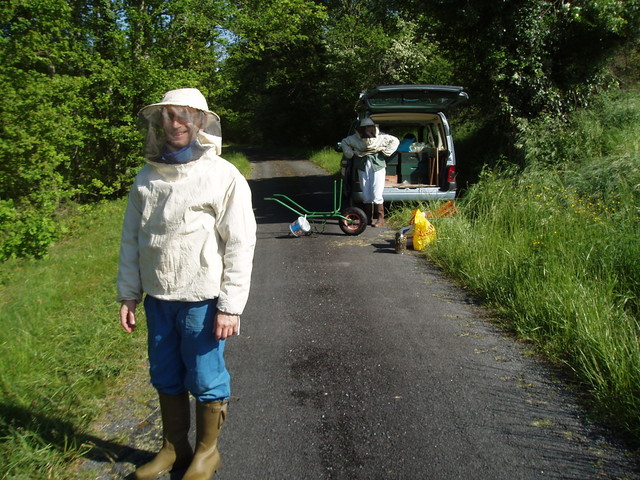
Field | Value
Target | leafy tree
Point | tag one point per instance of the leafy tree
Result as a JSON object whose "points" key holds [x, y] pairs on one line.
{"points": [[525, 58], [40, 113], [367, 47], [298, 66], [274, 64], [74, 74]]}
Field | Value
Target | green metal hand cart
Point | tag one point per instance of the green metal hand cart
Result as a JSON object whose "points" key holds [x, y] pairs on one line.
{"points": [[352, 220]]}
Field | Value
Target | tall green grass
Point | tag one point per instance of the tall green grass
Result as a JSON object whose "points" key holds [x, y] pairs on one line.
{"points": [[328, 159], [556, 250], [63, 349], [239, 160]]}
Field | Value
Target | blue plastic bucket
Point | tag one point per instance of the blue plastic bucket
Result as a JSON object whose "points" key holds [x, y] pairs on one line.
{"points": [[300, 227]]}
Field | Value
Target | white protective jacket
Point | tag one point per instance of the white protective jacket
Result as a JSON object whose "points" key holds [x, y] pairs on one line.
{"points": [[358, 146], [189, 234]]}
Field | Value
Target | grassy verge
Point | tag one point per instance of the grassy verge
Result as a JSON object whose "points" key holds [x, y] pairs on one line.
{"points": [[239, 160], [555, 250], [63, 350], [328, 159], [563, 273]]}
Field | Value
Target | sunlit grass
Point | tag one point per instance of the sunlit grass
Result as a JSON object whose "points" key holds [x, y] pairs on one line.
{"points": [[563, 271], [62, 347], [239, 160], [328, 159]]}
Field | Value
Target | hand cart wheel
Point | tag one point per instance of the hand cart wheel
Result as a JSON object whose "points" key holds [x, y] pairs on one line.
{"points": [[355, 221]]}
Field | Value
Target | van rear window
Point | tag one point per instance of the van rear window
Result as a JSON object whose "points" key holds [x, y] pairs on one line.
{"points": [[412, 100]]}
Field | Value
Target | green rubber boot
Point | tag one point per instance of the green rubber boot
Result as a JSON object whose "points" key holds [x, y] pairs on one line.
{"points": [[209, 420], [176, 450]]}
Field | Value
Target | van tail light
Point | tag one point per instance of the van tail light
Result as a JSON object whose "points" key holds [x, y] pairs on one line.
{"points": [[451, 173]]}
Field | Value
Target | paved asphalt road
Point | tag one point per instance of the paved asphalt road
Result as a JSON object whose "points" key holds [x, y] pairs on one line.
{"points": [[355, 362]]}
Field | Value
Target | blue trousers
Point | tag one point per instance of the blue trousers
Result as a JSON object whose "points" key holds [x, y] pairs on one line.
{"points": [[183, 351]]}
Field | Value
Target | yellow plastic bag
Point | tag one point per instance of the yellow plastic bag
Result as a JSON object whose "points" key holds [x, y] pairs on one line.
{"points": [[423, 230]]}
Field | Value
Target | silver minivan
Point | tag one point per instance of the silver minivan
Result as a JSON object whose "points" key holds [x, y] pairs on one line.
{"points": [[424, 167]]}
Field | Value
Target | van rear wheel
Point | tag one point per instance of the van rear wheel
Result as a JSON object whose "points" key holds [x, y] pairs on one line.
{"points": [[355, 223]]}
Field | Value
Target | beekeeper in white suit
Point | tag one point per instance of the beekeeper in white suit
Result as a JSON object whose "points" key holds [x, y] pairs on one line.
{"points": [[365, 147], [187, 246]]}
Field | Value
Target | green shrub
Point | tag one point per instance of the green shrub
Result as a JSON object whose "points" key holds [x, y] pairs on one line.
{"points": [[26, 232]]}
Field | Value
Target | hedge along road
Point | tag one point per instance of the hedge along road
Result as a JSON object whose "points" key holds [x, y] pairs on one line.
{"points": [[355, 362]]}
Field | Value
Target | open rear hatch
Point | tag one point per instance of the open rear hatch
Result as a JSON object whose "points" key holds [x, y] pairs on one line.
{"points": [[407, 98]]}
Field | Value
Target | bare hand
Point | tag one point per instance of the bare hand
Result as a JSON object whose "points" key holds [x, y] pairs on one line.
{"points": [[226, 324], [128, 315]]}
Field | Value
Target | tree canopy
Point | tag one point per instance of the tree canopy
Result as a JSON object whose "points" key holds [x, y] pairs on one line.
{"points": [[74, 73]]}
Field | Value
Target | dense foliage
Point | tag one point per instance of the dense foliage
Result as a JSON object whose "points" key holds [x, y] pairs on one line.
{"points": [[73, 74]]}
